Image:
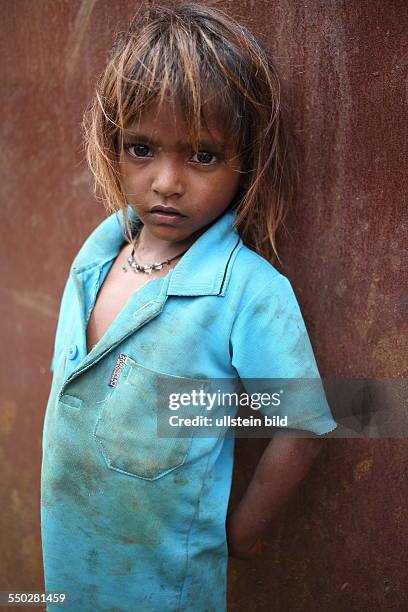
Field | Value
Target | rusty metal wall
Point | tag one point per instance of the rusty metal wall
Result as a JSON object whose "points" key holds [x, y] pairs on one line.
{"points": [[341, 542]]}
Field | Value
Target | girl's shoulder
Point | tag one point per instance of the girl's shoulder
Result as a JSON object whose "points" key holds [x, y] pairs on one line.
{"points": [[102, 243], [254, 265], [253, 277]]}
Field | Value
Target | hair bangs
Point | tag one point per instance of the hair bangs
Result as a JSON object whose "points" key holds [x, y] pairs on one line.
{"points": [[174, 69]]}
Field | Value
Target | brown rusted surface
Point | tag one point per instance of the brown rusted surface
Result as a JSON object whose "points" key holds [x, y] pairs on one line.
{"points": [[341, 543]]}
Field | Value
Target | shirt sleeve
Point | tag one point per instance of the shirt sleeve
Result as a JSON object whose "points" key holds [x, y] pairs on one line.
{"points": [[269, 341]]}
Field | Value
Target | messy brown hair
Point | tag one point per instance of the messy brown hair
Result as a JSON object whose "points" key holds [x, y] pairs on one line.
{"points": [[193, 53]]}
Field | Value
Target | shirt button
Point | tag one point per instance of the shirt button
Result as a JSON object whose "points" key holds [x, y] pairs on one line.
{"points": [[72, 351]]}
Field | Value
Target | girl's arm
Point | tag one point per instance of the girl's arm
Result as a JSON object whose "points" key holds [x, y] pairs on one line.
{"points": [[284, 463]]}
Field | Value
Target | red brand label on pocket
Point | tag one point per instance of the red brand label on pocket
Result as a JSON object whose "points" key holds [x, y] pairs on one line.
{"points": [[116, 370]]}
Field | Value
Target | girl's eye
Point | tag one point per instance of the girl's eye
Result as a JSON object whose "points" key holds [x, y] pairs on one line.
{"points": [[204, 157], [140, 150]]}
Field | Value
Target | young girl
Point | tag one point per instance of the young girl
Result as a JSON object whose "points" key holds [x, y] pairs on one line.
{"points": [[186, 144]]}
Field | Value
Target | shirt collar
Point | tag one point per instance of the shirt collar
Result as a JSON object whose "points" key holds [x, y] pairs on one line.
{"points": [[202, 270]]}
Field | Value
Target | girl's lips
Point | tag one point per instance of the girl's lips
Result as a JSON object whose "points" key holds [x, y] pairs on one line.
{"points": [[166, 217]]}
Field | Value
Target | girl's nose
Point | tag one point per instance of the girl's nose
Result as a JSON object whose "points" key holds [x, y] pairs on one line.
{"points": [[167, 180]]}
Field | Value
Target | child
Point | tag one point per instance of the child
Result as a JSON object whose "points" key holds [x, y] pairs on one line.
{"points": [[185, 141]]}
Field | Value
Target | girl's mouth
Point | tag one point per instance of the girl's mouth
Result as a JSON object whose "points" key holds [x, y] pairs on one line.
{"points": [[169, 217]]}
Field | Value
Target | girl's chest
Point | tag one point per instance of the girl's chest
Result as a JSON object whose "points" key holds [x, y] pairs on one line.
{"points": [[113, 295]]}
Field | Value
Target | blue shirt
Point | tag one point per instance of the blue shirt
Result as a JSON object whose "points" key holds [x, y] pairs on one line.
{"points": [[134, 521]]}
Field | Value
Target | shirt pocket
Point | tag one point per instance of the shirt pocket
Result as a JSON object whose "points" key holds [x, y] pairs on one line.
{"points": [[126, 429]]}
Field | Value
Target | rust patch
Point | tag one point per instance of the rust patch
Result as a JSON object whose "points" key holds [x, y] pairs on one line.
{"points": [[363, 468], [8, 414]]}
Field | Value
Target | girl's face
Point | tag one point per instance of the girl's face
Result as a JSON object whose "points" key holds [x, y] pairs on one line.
{"points": [[159, 168]]}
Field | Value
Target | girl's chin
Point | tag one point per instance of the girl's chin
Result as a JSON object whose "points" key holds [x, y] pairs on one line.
{"points": [[168, 233]]}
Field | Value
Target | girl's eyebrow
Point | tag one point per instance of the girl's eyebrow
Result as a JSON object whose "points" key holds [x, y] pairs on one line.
{"points": [[139, 137]]}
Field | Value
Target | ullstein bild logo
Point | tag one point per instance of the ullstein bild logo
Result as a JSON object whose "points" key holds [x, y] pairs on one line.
{"points": [[116, 370]]}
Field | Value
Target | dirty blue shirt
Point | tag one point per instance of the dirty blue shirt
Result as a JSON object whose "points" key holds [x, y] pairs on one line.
{"points": [[132, 521]]}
